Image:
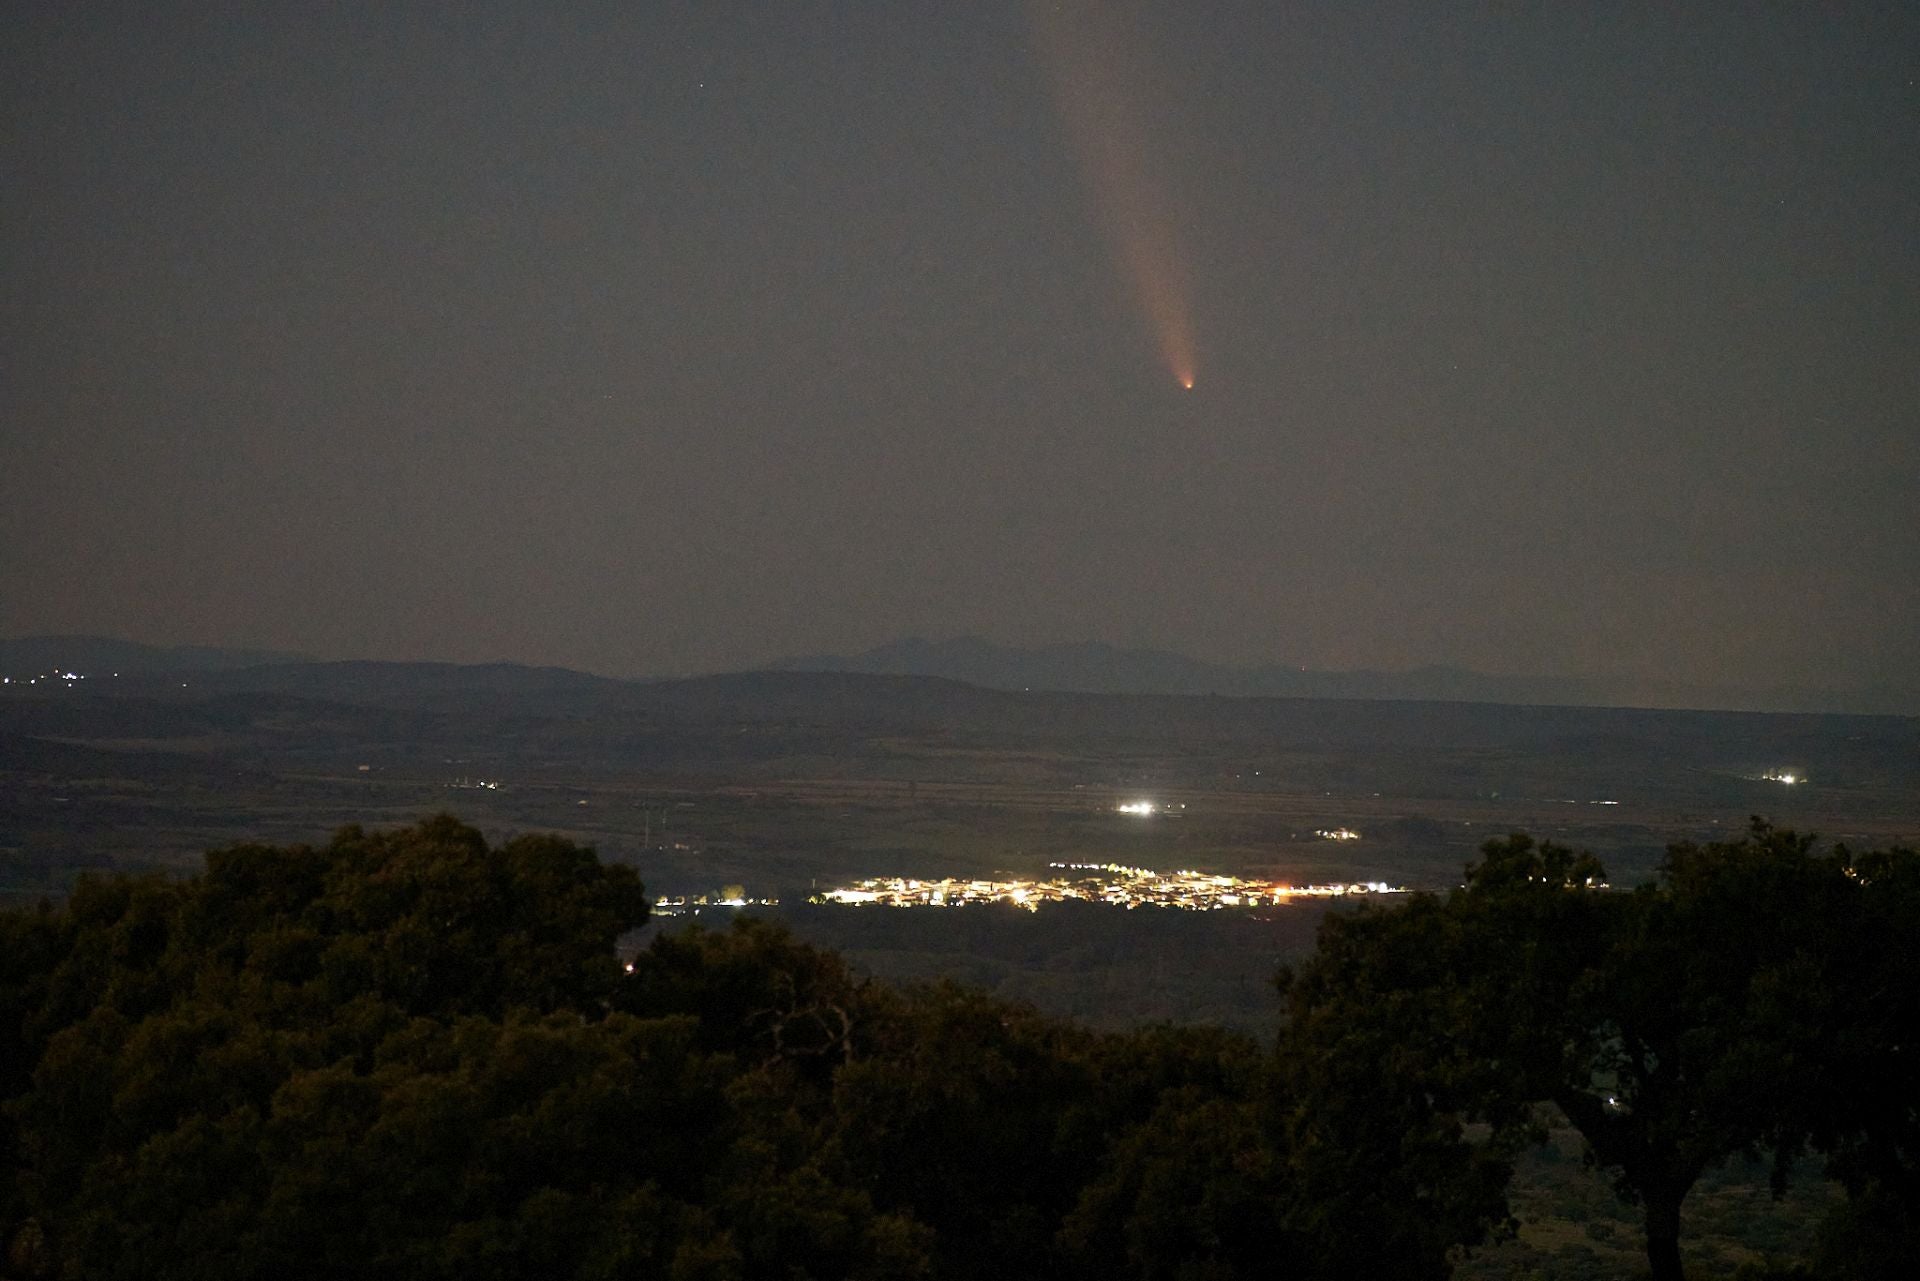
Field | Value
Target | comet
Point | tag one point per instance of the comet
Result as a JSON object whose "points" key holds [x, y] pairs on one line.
{"points": [[1089, 65]]}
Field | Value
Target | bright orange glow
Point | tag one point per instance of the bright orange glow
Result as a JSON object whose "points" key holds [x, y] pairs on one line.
{"points": [[1089, 65]]}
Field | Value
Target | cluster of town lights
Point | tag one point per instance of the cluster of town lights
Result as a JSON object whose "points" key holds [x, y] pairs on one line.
{"points": [[734, 896], [1108, 883], [1144, 808]]}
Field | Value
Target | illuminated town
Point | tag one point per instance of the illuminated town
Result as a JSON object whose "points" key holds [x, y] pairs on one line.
{"points": [[1145, 809], [732, 896], [1108, 883]]}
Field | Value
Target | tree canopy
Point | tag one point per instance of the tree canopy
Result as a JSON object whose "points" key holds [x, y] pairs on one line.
{"points": [[410, 1054], [413, 1054], [1751, 1000]]}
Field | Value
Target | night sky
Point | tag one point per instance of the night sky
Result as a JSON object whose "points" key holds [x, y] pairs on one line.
{"points": [[650, 337]]}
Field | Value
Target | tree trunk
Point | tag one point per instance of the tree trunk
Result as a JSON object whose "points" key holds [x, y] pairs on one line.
{"points": [[1663, 1234]]}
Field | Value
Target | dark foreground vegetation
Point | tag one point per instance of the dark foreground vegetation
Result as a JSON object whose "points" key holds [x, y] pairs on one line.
{"points": [[408, 1054]]}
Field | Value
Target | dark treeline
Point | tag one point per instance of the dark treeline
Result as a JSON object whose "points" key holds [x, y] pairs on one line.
{"points": [[407, 1054], [1098, 965]]}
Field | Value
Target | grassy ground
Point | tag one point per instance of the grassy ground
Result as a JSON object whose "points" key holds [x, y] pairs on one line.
{"points": [[1573, 1227]]}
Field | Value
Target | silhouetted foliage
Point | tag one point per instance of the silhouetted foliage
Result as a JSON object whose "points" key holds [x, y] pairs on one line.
{"points": [[1742, 1003], [410, 1054]]}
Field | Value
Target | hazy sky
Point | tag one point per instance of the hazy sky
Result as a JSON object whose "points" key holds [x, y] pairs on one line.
{"points": [[648, 337]]}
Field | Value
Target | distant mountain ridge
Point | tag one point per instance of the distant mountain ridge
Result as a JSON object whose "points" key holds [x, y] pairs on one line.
{"points": [[1098, 668], [1090, 667], [342, 714], [103, 655], [1094, 667]]}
